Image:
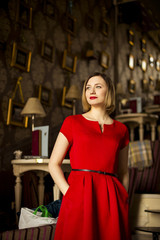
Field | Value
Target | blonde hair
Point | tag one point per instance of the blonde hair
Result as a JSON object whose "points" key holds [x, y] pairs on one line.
{"points": [[110, 96]]}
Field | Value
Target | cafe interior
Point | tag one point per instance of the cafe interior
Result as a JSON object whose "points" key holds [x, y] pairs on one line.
{"points": [[48, 48]]}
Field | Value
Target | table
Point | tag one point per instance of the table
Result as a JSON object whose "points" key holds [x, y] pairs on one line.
{"points": [[40, 166], [133, 120], [155, 109], [152, 109]]}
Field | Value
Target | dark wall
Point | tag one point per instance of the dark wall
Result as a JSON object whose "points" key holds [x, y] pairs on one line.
{"points": [[43, 72], [50, 74]]}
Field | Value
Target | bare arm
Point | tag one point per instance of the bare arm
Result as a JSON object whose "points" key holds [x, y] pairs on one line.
{"points": [[57, 156], [123, 167]]}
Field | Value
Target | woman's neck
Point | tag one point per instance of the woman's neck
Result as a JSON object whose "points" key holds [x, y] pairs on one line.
{"points": [[98, 114]]}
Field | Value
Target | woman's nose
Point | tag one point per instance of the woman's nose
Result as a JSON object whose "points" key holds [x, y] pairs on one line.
{"points": [[93, 90]]}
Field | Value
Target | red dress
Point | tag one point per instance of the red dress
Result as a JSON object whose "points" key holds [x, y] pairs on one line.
{"points": [[95, 207]]}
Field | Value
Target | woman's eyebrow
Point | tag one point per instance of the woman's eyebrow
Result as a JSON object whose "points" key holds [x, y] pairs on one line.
{"points": [[94, 84]]}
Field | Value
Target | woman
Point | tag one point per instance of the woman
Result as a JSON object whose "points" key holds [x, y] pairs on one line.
{"points": [[95, 201]]}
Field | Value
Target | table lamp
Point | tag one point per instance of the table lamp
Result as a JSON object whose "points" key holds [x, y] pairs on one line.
{"points": [[33, 108], [73, 94]]}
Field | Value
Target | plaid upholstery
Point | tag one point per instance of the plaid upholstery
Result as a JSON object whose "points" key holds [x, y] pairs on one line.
{"points": [[148, 180], [140, 154], [37, 233]]}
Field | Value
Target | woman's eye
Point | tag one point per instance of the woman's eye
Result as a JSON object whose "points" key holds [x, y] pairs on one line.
{"points": [[87, 88], [98, 87]]}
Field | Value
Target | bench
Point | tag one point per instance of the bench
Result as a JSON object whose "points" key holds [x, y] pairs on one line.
{"points": [[154, 230]]}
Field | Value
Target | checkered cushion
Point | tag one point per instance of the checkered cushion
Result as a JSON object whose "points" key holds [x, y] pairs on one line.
{"points": [[140, 154]]}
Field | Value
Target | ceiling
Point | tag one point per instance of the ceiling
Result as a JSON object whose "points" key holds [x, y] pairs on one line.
{"points": [[145, 13]]}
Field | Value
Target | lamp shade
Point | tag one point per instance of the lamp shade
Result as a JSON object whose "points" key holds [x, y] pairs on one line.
{"points": [[33, 107], [73, 93]]}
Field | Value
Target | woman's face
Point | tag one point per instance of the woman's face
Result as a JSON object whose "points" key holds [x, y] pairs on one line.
{"points": [[96, 90]]}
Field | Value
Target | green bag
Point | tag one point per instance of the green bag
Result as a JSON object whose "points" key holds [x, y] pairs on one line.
{"points": [[44, 211]]}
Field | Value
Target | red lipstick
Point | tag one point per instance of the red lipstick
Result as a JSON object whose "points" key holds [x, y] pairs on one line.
{"points": [[92, 98]]}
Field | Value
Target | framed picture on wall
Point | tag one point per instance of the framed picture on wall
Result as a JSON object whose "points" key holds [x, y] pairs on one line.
{"points": [[144, 65], [143, 45], [14, 116], [151, 60], [158, 65], [151, 84], [131, 37], [131, 61], [89, 22], [69, 23], [2, 45], [50, 9], [64, 103], [145, 85], [69, 61], [131, 86], [157, 87], [105, 27], [104, 61], [44, 95], [21, 58], [24, 15], [47, 51]]}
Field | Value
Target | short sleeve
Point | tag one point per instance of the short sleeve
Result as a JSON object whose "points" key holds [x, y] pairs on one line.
{"points": [[66, 129], [125, 139]]}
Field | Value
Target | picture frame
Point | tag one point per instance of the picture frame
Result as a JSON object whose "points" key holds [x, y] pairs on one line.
{"points": [[158, 65], [157, 87], [131, 86], [14, 116], [21, 58], [50, 9], [64, 103], [70, 24], [131, 61], [104, 60], [143, 45], [89, 22], [47, 51], [151, 60], [144, 65], [24, 15], [105, 27], [124, 106], [44, 95], [131, 37], [145, 85], [69, 61], [151, 84], [2, 45]]}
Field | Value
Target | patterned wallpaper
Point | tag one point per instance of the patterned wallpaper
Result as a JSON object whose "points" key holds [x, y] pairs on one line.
{"points": [[50, 74]]}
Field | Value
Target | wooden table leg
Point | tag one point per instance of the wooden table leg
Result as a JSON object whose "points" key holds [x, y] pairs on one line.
{"points": [[41, 175], [153, 132], [18, 193], [141, 132], [132, 133]]}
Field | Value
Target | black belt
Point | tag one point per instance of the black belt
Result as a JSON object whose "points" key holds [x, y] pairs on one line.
{"points": [[100, 172]]}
